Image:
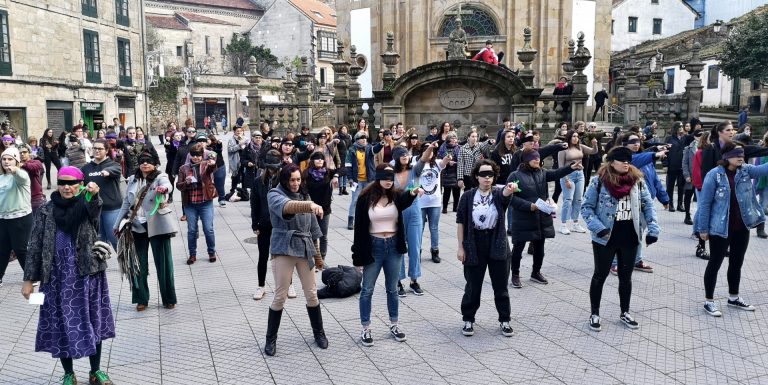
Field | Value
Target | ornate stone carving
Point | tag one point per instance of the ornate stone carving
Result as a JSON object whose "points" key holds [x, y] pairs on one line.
{"points": [[457, 99]]}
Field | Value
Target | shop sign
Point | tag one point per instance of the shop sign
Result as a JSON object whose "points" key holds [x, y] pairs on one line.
{"points": [[88, 106], [211, 101]]}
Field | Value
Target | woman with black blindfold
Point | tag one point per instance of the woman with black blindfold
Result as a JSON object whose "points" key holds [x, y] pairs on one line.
{"points": [[483, 244], [617, 209], [379, 243]]}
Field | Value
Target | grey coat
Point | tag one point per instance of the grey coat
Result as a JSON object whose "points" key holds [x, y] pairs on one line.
{"points": [[157, 224], [233, 153], [42, 243], [292, 235]]}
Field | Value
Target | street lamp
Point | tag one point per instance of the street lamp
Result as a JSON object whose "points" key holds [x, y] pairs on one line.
{"points": [[718, 24]]}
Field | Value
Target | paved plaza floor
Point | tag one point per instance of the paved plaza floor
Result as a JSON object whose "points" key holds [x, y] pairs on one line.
{"points": [[216, 333]]}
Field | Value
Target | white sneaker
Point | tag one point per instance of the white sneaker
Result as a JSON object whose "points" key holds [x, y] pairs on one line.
{"points": [[291, 292], [223, 203], [577, 228], [564, 229], [259, 294]]}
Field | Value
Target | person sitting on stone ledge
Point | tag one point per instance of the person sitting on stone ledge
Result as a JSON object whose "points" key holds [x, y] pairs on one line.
{"points": [[487, 54]]}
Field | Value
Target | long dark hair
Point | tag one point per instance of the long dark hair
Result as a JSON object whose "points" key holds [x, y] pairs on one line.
{"points": [[728, 146], [501, 148], [284, 177], [44, 138], [568, 136], [374, 192]]}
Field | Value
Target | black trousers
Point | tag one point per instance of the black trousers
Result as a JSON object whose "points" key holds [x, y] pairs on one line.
{"points": [[603, 259], [447, 191], [558, 191], [517, 255], [14, 235], [737, 241], [687, 200], [675, 177], [593, 165], [263, 242], [597, 108], [475, 275], [51, 159]]}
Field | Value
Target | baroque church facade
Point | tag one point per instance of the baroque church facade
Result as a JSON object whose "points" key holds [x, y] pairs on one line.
{"points": [[422, 27]]}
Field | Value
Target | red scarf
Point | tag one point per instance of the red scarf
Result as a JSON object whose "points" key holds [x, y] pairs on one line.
{"points": [[560, 85], [626, 182]]}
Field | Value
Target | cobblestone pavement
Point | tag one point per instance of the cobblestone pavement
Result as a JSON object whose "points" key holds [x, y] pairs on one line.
{"points": [[216, 333]]}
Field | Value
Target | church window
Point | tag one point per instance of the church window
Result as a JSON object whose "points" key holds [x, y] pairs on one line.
{"points": [[477, 23]]}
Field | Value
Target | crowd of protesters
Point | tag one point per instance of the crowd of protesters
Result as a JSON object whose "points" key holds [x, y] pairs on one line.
{"points": [[113, 197]]}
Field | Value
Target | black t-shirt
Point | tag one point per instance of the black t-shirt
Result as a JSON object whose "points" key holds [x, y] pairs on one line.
{"points": [[623, 233]]}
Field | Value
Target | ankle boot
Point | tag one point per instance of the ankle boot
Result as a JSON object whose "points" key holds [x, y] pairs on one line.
{"points": [[350, 223], [761, 231], [316, 319], [701, 251], [687, 219], [273, 323], [435, 255]]}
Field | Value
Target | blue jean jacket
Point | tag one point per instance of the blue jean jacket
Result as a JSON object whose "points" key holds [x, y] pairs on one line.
{"points": [[715, 200], [599, 211], [645, 162]]}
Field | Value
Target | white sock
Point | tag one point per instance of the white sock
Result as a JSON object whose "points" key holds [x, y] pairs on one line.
{"points": [[733, 297], [709, 302]]}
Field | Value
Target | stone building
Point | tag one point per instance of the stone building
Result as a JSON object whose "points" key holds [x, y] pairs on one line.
{"points": [[637, 21], [421, 29], [719, 90], [71, 60], [191, 39], [295, 28]]}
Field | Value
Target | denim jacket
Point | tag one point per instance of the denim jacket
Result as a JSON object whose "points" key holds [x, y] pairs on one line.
{"points": [[715, 200], [599, 210]]}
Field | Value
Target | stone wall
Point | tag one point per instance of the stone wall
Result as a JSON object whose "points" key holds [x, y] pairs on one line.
{"points": [[285, 31], [161, 113]]}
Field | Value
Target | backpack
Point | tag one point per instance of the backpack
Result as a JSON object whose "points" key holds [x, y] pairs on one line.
{"points": [[341, 282]]}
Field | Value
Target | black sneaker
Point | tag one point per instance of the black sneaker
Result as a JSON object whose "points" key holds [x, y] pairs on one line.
{"points": [[416, 289], [468, 329], [1, 283], [629, 321], [594, 322], [365, 337], [539, 278], [396, 333], [506, 330], [400, 290], [740, 304], [711, 309]]}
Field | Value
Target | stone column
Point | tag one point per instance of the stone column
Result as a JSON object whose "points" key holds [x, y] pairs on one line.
{"points": [[289, 85], [579, 98], [340, 85], [693, 87], [254, 96], [304, 94], [354, 71]]}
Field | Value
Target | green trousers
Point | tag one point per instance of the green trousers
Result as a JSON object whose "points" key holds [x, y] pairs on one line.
{"points": [[163, 256]]}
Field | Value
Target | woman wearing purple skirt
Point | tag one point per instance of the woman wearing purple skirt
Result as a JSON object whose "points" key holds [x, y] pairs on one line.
{"points": [[76, 315]]}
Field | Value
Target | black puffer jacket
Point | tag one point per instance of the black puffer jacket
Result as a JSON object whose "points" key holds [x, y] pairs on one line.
{"points": [[530, 225], [259, 206]]}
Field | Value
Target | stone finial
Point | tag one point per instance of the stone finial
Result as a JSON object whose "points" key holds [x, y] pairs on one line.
{"points": [[526, 55], [252, 77], [390, 58], [695, 65], [354, 70]]}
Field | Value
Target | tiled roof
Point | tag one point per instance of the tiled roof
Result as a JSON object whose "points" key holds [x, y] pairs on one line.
{"points": [[232, 4], [193, 17], [166, 22], [318, 11]]}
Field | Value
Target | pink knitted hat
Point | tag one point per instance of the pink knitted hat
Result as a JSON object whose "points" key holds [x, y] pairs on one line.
{"points": [[71, 171]]}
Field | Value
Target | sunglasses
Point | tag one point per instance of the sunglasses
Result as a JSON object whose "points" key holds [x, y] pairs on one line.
{"points": [[198, 155], [68, 182], [191, 131]]}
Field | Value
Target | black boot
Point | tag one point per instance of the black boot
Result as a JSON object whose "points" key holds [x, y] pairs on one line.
{"points": [[273, 323], [316, 319], [687, 219], [435, 255], [761, 231], [345, 191], [350, 223]]}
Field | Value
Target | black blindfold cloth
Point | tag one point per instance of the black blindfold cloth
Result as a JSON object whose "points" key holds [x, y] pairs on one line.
{"points": [[385, 175]]}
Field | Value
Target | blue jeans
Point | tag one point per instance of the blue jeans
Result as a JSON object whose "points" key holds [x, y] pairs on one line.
{"points": [[414, 228], [107, 222], [509, 218], [219, 178], [204, 211], [355, 194], [384, 256], [572, 196], [342, 182], [433, 215]]}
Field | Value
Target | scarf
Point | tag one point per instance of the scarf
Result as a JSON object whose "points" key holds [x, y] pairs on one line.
{"points": [[318, 174], [69, 213], [175, 144], [560, 86], [626, 182]]}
